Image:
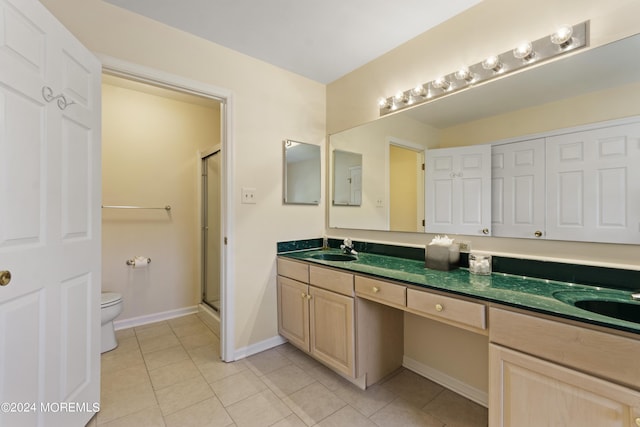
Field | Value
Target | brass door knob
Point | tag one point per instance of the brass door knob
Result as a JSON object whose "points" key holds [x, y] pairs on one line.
{"points": [[538, 233], [5, 277], [439, 307]]}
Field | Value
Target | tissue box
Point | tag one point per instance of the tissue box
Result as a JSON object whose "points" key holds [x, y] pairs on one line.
{"points": [[443, 258]]}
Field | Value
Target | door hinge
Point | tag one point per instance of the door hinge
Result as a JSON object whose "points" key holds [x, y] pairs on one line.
{"points": [[225, 240], [423, 166], [423, 223]]}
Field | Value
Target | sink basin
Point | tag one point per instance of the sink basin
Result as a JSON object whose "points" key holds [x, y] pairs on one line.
{"points": [[607, 303], [335, 257], [628, 311]]}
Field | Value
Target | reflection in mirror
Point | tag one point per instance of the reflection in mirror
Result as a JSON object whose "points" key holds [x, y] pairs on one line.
{"points": [[594, 85], [406, 188], [347, 178], [382, 190], [301, 173]]}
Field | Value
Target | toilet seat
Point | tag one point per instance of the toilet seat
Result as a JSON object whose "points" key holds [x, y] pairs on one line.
{"points": [[109, 298]]}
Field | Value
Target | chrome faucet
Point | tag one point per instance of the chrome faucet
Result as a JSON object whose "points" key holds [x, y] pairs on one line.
{"points": [[347, 247], [636, 296]]}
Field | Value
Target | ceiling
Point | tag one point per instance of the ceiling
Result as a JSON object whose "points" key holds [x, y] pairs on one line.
{"points": [[322, 39]]}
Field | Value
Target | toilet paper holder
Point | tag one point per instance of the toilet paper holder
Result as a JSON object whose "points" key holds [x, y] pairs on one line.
{"points": [[133, 261]]}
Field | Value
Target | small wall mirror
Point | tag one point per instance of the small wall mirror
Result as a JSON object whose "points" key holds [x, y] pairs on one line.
{"points": [[347, 178], [301, 173]]}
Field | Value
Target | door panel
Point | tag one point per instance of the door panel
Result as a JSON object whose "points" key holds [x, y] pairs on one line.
{"points": [[49, 219]]}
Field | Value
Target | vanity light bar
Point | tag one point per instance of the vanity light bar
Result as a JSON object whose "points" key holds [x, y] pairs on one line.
{"points": [[565, 39]]}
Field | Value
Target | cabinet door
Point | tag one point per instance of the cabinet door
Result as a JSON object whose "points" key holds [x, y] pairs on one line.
{"points": [[528, 392], [593, 185], [332, 329], [293, 312], [518, 189], [458, 195]]}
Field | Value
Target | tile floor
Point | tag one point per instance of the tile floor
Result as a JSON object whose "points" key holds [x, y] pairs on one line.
{"points": [[169, 374]]}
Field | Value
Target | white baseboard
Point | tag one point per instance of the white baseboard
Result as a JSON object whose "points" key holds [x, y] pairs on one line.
{"points": [[154, 317], [453, 384], [258, 347]]}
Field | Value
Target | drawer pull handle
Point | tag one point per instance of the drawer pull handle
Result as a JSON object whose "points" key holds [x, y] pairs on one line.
{"points": [[376, 289], [439, 307]]}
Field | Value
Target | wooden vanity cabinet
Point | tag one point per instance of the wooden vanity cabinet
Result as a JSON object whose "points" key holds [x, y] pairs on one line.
{"points": [[548, 373], [317, 313]]}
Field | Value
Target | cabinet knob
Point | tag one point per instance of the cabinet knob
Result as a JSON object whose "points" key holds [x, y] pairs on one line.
{"points": [[485, 231], [637, 421], [538, 233], [303, 295], [308, 297], [5, 277], [439, 307], [376, 289]]}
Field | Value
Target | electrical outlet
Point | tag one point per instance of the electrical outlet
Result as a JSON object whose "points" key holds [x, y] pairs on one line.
{"points": [[248, 195], [465, 245]]}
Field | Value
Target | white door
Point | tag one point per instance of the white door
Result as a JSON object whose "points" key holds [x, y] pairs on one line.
{"points": [[593, 185], [49, 221], [458, 190], [518, 189]]}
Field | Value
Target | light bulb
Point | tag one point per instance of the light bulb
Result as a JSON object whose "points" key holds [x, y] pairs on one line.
{"points": [[419, 91], [524, 52], [401, 97], [492, 63], [383, 103], [441, 83], [562, 36], [465, 74]]}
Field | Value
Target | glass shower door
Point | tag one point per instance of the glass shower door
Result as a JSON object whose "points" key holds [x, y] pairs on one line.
{"points": [[211, 235]]}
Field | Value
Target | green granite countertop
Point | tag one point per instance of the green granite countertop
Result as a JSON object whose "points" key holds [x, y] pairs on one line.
{"points": [[544, 296]]}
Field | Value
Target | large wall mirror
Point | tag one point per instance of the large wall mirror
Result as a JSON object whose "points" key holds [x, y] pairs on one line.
{"points": [[301, 173], [611, 71]]}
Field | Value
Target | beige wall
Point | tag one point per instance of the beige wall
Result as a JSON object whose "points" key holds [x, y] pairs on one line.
{"points": [[489, 27], [150, 147], [269, 105]]}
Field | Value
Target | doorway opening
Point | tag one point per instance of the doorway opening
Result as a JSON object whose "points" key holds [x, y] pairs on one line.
{"points": [[406, 186], [205, 93]]}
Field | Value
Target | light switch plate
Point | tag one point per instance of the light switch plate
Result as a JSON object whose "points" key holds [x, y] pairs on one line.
{"points": [[248, 195]]}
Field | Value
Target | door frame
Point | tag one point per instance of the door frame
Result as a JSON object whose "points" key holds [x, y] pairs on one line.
{"points": [[136, 72]]}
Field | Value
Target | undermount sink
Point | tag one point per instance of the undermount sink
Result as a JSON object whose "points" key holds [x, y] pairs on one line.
{"points": [[610, 304], [335, 257]]}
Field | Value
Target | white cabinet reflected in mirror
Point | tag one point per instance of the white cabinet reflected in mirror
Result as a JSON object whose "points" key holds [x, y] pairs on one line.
{"points": [[347, 178], [301, 173]]}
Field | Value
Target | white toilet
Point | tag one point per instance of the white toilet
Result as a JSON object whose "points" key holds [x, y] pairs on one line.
{"points": [[110, 308]]}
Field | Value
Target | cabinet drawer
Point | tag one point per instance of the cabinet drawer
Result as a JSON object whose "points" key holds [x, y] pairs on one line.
{"points": [[449, 309], [599, 353], [294, 270], [383, 292], [331, 280]]}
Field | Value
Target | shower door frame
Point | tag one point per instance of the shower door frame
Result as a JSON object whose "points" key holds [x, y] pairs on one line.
{"points": [[205, 225], [160, 78]]}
